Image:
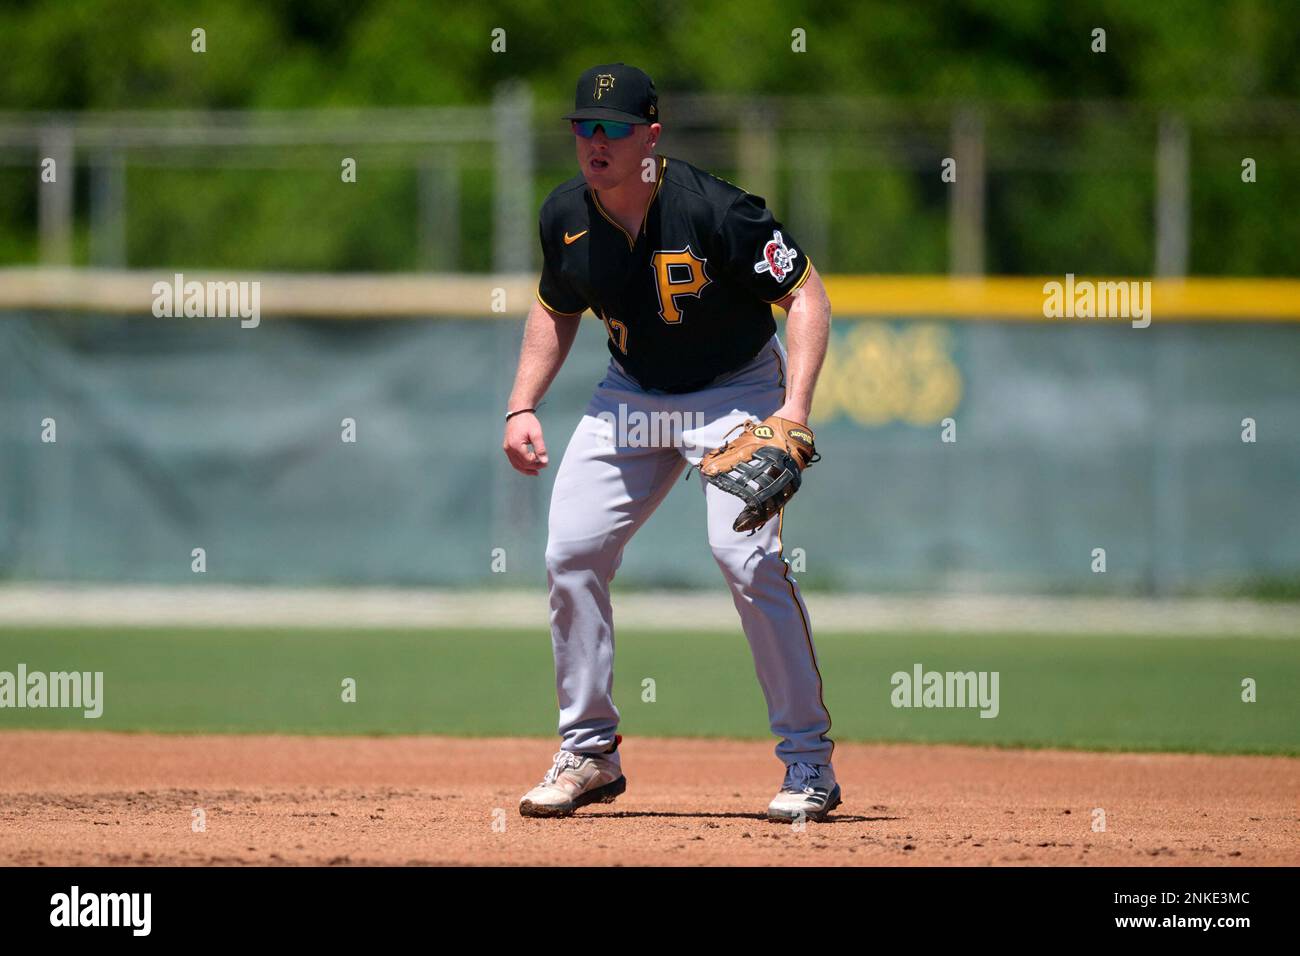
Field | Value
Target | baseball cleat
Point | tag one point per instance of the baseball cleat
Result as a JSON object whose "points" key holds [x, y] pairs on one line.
{"points": [[809, 793], [574, 780]]}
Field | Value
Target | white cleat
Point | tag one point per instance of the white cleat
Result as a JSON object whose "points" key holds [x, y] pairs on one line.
{"points": [[575, 780], [808, 793]]}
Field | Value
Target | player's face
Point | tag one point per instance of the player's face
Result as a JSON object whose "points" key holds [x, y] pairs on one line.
{"points": [[607, 163]]}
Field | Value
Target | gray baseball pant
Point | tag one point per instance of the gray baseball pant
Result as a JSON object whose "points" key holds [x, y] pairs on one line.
{"points": [[609, 482]]}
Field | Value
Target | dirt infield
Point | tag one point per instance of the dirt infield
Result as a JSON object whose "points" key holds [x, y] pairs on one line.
{"points": [[69, 798]]}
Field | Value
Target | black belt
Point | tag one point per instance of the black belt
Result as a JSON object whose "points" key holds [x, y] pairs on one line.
{"points": [[681, 388], [689, 386]]}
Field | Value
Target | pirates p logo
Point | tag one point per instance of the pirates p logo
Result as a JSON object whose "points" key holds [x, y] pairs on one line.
{"points": [[604, 81]]}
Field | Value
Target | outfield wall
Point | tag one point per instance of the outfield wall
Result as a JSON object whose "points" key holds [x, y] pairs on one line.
{"points": [[1070, 436]]}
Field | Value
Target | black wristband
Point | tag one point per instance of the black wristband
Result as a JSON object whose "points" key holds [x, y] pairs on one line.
{"points": [[520, 412]]}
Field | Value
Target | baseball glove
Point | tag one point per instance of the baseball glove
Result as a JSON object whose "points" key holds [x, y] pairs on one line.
{"points": [[761, 466]]}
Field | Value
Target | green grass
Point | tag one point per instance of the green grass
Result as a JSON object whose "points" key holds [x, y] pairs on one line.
{"points": [[1094, 692]]}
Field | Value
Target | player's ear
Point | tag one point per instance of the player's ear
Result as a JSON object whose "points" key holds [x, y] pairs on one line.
{"points": [[652, 134]]}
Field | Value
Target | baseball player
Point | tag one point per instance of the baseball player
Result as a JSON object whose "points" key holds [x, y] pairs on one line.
{"points": [[683, 269]]}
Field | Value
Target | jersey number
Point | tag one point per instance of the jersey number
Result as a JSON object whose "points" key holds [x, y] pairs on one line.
{"points": [[617, 331], [677, 274]]}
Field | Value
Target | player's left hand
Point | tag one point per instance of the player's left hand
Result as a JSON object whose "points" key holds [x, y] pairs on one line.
{"points": [[762, 466], [792, 412]]}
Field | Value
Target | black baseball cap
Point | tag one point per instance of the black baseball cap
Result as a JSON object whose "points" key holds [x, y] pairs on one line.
{"points": [[615, 92]]}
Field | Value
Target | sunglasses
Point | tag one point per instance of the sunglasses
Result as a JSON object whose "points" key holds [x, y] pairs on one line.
{"points": [[587, 128]]}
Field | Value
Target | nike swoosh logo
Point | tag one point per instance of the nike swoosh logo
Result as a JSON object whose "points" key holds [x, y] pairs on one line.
{"points": [[570, 240]]}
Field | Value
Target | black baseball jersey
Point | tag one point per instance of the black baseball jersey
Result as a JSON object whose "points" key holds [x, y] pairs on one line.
{"points": [[688, 299]]}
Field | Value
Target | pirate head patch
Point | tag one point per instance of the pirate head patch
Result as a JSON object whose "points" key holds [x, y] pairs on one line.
{"points": [[778, 258]]}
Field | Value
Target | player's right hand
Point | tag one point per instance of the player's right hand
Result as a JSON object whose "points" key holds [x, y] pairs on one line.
{"points": [[521, 432]]}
